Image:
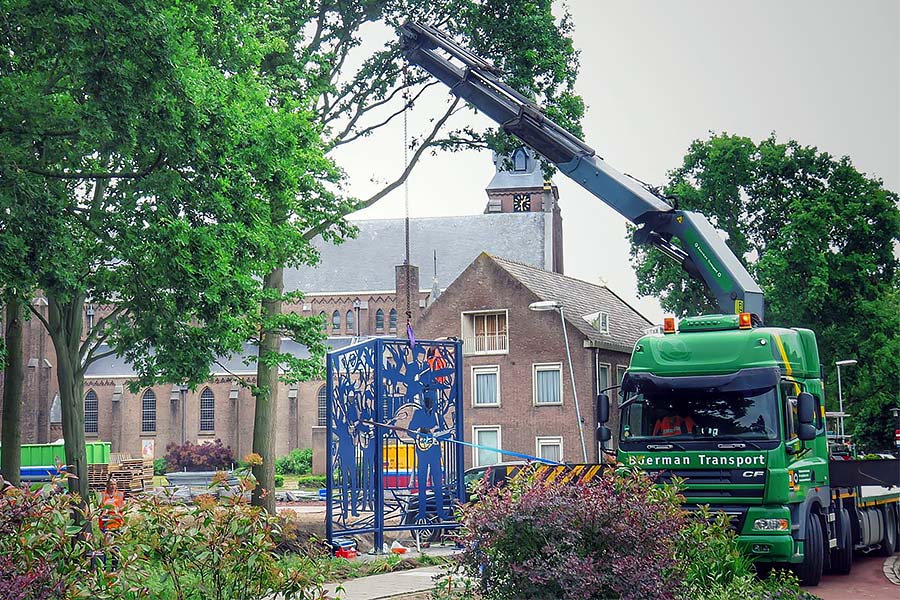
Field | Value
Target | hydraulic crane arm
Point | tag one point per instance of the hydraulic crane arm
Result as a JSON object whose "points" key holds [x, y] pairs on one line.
{"points": [[702, 253]]}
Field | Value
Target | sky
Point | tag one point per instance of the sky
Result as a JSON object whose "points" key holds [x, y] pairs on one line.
{"points": [[658, 74]]}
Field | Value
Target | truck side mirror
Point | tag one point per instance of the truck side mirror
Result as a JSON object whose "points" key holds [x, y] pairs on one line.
{"points": [[806, 414], [602, 408], [603, 434], [806, 408]]}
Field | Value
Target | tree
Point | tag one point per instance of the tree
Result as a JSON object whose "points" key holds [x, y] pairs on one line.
{"points": [[13, 377], [522, 37], [140, 142], [819, 236]]}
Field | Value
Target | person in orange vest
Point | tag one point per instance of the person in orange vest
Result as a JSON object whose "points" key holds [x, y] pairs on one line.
{"points": [[436, 363], [673, 425], [112, 504]]}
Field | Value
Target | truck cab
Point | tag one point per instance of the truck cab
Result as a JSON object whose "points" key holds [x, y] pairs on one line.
{"points": [[715, 403], [735, 412]]}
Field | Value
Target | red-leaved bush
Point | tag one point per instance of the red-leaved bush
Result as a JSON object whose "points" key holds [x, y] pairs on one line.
{"points": [[614, 537], [198, 457]]}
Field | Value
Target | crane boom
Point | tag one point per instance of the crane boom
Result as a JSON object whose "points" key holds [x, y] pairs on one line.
{"points": [[702, 253]]}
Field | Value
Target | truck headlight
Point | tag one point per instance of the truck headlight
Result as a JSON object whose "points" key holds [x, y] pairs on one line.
{"points": [[771, 524]]}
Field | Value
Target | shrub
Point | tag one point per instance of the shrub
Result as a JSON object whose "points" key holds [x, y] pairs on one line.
{"points": [[297, 462], [617, 537], [45, 553], [198, 457], [612, 538], [221, 550], [311, 481], [279, 480], [160, 466]]}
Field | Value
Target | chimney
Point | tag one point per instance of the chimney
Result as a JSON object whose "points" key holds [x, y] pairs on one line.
{"points": [[402, 275]]}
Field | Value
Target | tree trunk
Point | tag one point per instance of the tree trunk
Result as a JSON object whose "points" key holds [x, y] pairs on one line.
{"points": [[65, 320], [10, 459], [267, 392]]}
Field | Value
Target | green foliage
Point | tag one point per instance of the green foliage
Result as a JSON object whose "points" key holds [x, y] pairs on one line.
{"points": [[279, 480], [160, 466], [296, 462], [311, 481], [46, 557], [223, 550], [819, 236], [620, 536]]}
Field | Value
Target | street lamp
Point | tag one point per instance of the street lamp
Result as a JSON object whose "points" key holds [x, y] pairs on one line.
{"points": [[839, 364], [556, 305], [356, 306]]}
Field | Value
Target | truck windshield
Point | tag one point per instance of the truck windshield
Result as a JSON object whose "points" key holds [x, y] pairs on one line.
{"points": [[701, 414]]}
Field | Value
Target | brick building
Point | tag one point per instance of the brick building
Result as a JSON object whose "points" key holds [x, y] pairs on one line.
{"points": [[360, 288], [518, 393]]}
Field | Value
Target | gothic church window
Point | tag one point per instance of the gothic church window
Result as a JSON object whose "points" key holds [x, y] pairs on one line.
{"points": [[322, 407], [520, 160], [91, 412], [207, 410], [148, 412], [379, 320]]}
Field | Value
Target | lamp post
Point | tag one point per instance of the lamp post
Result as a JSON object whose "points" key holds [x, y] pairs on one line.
{"points": [[839, 364], [558, 307], [356, 306]]}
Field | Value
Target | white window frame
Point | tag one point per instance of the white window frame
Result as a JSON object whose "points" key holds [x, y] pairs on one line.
{"points": [[535, 367], [468, 347], [603, 321], [475, 430], [485, 369], [548, 440], [609, 372]]}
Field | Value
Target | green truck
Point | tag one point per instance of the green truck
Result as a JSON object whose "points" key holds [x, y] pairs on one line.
{"points": [[736, 411], [733, 408]]}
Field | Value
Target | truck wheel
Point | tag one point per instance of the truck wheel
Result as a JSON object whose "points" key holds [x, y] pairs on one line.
{"points": [[842, 556], [889, 535], [809, 572]]}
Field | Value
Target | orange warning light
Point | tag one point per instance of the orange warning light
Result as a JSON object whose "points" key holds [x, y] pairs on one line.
{"points": [[745, 321], [669, 325]]}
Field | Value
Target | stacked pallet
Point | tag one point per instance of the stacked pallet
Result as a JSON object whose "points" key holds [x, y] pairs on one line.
{"points": [[97, 476], [134, 468], [148, 472]]}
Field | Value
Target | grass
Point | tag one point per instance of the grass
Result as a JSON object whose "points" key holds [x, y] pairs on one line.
{"points": [[291, 483], [340, 569]]}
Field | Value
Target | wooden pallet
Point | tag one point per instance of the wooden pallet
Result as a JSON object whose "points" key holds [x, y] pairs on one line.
{"points": [[97, 476]]}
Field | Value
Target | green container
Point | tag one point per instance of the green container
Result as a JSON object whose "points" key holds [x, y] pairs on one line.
{"points": [[42, 455]]}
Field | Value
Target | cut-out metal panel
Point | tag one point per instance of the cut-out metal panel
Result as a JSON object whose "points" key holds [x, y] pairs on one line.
{"points": [[394, 415]]}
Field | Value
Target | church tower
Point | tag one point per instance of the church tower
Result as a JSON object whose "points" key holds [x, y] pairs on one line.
{"points": [[518, 186]]}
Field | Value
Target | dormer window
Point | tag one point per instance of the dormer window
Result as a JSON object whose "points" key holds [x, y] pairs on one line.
{"points": [[520, 160], [598, 320]]}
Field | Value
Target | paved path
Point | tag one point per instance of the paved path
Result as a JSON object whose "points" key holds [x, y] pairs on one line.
{"points": [[389, 585], [867, 581]]}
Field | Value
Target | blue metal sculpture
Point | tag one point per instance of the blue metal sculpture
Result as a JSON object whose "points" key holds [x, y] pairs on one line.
{"points": [[394, 414]]}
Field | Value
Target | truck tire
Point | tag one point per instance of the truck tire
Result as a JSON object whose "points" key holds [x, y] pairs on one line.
{"points": [[842, 556], [809, 572], [889, 535]]}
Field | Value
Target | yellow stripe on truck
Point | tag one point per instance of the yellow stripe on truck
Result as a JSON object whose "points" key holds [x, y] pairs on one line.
{"points": [[784, 358]]}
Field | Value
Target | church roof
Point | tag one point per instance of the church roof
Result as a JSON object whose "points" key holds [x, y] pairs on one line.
{"points": [[366, 263], [581, 301], [237, 364]]}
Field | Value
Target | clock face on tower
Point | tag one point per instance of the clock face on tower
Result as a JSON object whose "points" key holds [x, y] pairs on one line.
{"points": [[521, 202]]}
